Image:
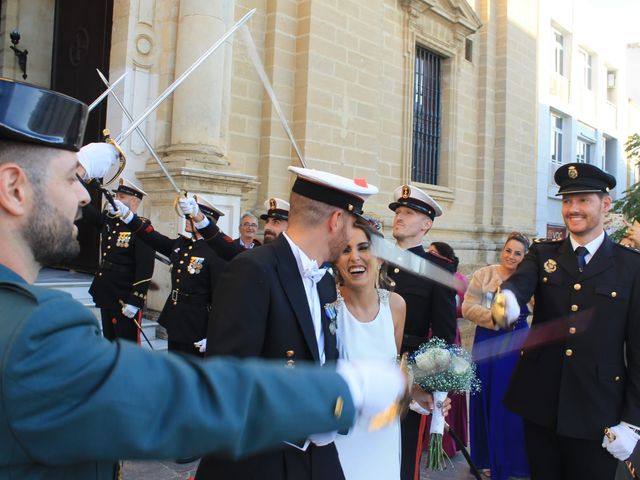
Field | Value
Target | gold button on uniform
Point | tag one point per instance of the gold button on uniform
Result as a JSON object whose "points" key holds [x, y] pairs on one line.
{"points": [[396, 270], [572, 330], [290, 353], [179, 271], [186, 254], [521, 353], [614, 294], [568, 352], [545, 279], [393, 284], [577, 286], [574, 308], [617, 379]]}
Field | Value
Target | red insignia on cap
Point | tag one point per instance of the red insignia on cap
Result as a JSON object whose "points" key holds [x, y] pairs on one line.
{"points": [[361, 182]]}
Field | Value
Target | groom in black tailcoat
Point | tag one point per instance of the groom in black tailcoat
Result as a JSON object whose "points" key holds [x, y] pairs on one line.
{"points": [[270, 303]]}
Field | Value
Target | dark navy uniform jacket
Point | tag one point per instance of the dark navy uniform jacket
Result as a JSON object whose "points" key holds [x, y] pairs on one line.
{"points": [[579, 385], [429, 305], [126, 265], [195, 269]]}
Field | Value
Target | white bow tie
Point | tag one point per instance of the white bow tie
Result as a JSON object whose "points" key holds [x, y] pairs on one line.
{"points": [[314, 273]]}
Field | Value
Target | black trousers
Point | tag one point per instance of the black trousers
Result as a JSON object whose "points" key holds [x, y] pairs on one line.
{"points": [[556, 457], [116, 325]]}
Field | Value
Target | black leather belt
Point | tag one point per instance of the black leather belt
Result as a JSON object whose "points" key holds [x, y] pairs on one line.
{"points": [[191, 299], [115, 267]]}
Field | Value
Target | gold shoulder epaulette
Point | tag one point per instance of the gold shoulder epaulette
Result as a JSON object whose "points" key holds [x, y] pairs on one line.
{"points": [[547, 240], [628, 247]]}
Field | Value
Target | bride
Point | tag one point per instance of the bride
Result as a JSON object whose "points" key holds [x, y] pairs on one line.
{"points": [[370, 321]]}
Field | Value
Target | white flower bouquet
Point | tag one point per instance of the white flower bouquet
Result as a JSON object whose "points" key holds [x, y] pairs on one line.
{"points": [[440, 368]]}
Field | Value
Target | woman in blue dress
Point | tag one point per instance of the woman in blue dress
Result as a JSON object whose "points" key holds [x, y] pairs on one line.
{"points": [[497, 438]]}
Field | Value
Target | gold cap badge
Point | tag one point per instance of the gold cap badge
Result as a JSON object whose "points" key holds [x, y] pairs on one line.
{"points": [[406, 191], [572, 172], [272, 204]]}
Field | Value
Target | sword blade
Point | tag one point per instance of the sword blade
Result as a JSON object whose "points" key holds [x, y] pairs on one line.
{"points": [[144, 139], [102, 96], [253, 56], [539, 334], [413, 263], [169, 90]]}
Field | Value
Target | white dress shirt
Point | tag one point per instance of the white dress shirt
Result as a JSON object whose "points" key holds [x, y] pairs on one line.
{"points": [[306, 265]]}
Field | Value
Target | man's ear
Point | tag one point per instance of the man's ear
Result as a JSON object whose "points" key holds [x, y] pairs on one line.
{"points": [[334, 220], [606, 203], [14, 189], [428, 223]]}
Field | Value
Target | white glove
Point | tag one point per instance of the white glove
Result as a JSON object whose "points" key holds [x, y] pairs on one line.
{"points": [[512, 309], [97, 159], [121, 211], [188, 206], [416, 407], [624, 443], [129, 311], [201, 345], [374, 385]]}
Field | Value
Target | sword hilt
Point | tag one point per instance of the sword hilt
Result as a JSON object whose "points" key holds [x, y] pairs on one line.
{"points": [[122, 159]]}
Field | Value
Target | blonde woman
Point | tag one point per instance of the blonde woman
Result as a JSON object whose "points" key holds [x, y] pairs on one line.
{"points": [[497, 438]]}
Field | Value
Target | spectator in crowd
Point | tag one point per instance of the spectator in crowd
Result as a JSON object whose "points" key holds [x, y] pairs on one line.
{"points": [[497, 438]]}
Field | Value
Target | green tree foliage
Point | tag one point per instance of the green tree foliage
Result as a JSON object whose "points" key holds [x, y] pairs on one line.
{"points": [[629, 204]]}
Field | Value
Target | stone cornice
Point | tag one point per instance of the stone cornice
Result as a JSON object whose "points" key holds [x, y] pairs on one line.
{"points": [[456, 12]]}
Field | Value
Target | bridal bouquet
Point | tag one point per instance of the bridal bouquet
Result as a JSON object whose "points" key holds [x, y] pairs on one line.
{"points": [[440, 368]]}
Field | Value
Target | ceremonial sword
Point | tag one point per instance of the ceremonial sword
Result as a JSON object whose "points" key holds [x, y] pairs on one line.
{"points": [[101, 97], [137, 129], [253, 56], [176, 83]]}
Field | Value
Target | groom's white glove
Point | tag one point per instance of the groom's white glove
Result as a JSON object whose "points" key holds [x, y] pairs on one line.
{"points": [[624, 442], [374, 384]]}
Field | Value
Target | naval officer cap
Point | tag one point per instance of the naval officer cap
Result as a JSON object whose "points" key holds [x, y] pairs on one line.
{"points": [[208, 209], [36, 115], [276, 208], [583, 178], [127, 187], [415, 199], [334, 190]]}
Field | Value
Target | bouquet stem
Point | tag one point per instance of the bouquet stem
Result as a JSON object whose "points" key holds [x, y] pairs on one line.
{"points": [[436, 455]]}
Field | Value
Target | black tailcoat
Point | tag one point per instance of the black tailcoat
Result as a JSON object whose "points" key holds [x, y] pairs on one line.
{"points": [[579, 384], [261, 310]]}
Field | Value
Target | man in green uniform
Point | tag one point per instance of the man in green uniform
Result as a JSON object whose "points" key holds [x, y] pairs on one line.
{"points": [[62, 385]]}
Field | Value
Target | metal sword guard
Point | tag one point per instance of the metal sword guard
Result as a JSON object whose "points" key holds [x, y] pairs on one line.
{"points": [[122, 159], [499, 310]]}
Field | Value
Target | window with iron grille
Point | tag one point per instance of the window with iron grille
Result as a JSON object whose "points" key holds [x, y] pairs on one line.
{"points": [[426, 116]]}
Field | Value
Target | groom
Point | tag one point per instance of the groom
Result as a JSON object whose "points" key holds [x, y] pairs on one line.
{"points": [[270, 303]]}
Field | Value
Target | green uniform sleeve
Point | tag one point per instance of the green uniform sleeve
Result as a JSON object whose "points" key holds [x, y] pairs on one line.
{"points": [[71, 396]]}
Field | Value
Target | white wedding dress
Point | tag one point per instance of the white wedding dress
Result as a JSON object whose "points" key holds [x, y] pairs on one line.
{"points": [[366, 455]]}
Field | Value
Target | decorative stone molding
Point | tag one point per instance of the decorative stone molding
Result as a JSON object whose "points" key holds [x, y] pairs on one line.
{"points": [[457, 13]]}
